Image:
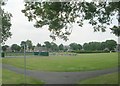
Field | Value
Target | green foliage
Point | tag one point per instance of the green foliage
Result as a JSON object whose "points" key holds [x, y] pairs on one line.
{"points": [[47, 44], [54, 47], [4, 48], [15, 47], [79, 47], [90, 51], [22, 44], [111, 44], [38, 45], [116, 30], [75, 46], [59, 16], [94, 46], [61, 47], [29, 44], [6, 25]]}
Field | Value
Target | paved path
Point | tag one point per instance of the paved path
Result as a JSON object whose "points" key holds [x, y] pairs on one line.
{"points": [[60, 77]]}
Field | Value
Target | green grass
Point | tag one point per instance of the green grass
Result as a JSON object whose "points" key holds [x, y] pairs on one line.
{"points": [[104, 79], [9, 77], [82, 62]]}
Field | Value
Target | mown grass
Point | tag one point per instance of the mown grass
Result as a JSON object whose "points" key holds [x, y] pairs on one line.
{"points": [[82, 62], [10, 77], [104, 79]]}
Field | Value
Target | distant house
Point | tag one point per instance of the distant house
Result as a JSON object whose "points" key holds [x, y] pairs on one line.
{"points": [[117, 49], [106, 49], [40, 49], [67, 48], [8, 49]]}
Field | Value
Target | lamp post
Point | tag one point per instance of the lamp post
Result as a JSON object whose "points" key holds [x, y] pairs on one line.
{"points": [[25, 63]]}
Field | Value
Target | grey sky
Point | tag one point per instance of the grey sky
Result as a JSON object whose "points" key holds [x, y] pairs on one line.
{"points": [[23, 30]]}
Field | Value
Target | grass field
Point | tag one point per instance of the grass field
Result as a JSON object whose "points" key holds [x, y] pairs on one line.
{"points": [[104, 79], [82, 62], [9, 77]]}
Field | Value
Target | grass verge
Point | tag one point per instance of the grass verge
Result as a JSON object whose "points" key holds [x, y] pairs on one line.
{"points": [[103, 79], [82, 62], [10, 77]]}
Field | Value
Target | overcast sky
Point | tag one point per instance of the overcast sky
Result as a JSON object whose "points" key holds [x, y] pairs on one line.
{"points": [[23, 30]]}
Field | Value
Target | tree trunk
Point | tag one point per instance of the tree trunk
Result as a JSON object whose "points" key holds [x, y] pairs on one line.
{"points": [[0, 43]]}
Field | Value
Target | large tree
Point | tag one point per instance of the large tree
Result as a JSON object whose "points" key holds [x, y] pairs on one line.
{"points": [[29, 44], [103, 45], [79, 46], [47, 45], [22, 44], [61, 47], [4, 48], [5, 23], [54, 47], [38, 45], [92, 46], [111, 44], [15, 47], [74, 46], [60, 16]]}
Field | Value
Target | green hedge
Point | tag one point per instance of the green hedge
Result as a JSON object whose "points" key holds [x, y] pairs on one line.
{"points": [[2, 54], [90, 51]]}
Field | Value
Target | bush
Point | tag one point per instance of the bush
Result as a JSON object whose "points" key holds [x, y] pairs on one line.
{"points": [[90, 51]]}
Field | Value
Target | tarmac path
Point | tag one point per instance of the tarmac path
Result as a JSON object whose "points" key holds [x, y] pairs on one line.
{"points": [[60, 77]]}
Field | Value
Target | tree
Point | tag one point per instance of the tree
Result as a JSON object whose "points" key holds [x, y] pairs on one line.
{"points": [[66, 48], [116, 30], [22, 44], [107, 45], [4, 48], [33, 47], [15, 47], [74, 46], [43, 46], [111, 44], [5, 23], [79, 47], [38, 45], [59, 16], [86, 46], [29, 44], [47, 44], [92, 46], [54, 47], [103, 45], [61, 47]]}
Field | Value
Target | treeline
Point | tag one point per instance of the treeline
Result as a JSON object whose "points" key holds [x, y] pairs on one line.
{"points": [[108, 45]]}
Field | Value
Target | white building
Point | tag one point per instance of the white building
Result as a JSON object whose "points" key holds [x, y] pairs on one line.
{"points": [[40, 49]]}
